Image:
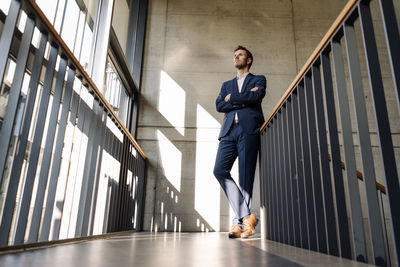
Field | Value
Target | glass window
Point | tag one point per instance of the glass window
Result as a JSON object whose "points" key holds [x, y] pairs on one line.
{"points": [[75, 20], [70, 25], [84, 45], [79, 35], [59, 15], [86, 52], [48, 8], [92, 8], [120, 21], [116, 94]]}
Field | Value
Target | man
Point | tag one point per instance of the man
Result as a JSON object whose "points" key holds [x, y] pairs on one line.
{"points": [[240, 100]]}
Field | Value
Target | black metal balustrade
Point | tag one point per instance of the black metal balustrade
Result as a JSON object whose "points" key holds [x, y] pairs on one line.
{"points": [[307, 198], [68, 166]]}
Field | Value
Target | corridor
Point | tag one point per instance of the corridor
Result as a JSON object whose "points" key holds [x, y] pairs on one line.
{"points": [[109, 132], [173, 249]]}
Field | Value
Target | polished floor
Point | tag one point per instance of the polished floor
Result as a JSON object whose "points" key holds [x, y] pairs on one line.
{"points": [[172, 249]]}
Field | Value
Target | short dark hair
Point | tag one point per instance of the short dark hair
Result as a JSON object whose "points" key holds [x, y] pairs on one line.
{"points": [[248, 53]]}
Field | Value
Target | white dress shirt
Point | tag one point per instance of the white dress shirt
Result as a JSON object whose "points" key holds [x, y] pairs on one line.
{"points": [[240, 81]]}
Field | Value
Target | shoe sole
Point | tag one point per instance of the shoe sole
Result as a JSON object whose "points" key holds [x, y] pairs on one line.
{"points": [[247, 236], [233, 236]]}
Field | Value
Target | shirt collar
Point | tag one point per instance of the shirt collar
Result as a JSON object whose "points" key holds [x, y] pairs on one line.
{"points": [[244, 76]]}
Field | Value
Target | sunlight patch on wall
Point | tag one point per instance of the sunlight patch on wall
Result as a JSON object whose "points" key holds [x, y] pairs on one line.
{"points": [[171, 160], [207, 189], [171, 103]]}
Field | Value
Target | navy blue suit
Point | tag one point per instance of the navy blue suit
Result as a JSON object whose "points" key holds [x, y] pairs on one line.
{"points": [[239, 140]]}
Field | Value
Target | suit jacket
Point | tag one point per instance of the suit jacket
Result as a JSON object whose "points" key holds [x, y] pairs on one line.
{"points": [[246, 104]]}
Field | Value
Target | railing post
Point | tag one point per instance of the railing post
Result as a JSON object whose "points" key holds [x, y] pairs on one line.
{"points": [[297, 224], [275, 177], [315, 165], [278, 180], [268, 182], [100, 146], [288, 176], [282, 178], [5, 45], [263, 176], [323, 155], [348, 146], [309, 192], [93, 168], [382, 121], [305, 236], [271, 199], [341, 208], [375, 226], [392, 41]]}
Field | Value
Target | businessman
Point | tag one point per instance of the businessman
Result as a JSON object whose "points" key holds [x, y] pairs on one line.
{"points": [[240, 100]]}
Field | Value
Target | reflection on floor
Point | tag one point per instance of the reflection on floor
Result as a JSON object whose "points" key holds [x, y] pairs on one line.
{"points": [[173, 249]]}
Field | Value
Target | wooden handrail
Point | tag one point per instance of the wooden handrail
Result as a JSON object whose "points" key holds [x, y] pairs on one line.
{"points": [[336, 24], [360, 176], [75, 61]]}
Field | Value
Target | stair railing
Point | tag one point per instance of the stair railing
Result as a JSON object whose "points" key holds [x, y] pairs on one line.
{"points": [[307, 202]]}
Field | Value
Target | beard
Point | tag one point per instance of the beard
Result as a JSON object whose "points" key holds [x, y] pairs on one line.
{"points": [[240, 66]]}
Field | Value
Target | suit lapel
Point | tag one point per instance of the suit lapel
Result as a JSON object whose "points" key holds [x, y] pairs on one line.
{"points": [[235, 85], [246, 81]]}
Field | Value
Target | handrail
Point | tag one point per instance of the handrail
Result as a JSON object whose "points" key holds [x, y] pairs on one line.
{"points": [[72, 57], [336, 24], [360, 176]]}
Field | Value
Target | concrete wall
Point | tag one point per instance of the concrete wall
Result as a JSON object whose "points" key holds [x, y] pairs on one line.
{"points": [[188, 55]]}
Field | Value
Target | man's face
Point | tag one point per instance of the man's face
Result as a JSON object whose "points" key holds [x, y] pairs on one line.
{"points": [[240, 59]]}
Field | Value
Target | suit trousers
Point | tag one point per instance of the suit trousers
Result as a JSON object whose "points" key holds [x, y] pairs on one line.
{"points": [[237, 144]]}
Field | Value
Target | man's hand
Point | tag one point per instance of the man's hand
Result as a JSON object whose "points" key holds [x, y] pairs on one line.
{"points": [[254, 89]]}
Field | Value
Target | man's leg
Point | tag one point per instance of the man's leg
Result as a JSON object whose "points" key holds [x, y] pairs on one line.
{"points": [[226, 156], [248, 147]]}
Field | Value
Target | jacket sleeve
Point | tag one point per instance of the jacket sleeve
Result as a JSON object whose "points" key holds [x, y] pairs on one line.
{"points": [[250, 97], [223, 106]]}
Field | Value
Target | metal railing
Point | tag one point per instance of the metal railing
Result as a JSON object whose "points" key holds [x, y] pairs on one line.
{"points": [[313, 204], [69, 167]]}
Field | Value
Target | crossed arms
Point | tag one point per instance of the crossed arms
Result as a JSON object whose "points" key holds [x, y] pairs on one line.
{"points": [[235, 100]]}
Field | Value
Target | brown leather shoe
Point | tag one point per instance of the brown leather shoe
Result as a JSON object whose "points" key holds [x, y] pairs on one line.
{"points": [[249, 223], [236, 231]]}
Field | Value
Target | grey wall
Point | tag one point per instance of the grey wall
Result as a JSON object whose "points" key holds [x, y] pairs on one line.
{"points": [[189, 48]]}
